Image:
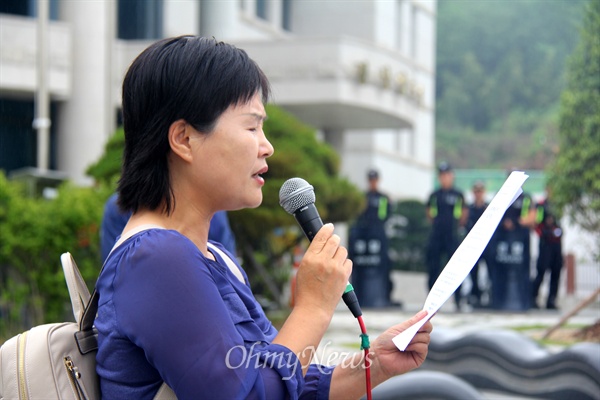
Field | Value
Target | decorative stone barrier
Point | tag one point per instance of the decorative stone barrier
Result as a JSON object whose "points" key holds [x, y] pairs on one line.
{"points": [[509, 362]]}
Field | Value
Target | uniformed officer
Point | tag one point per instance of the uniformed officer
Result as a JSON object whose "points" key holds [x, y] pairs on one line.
{"points": [[378, 208], [550, 252], [476, 209], [447, 211], [369, 248], [511, 283]]}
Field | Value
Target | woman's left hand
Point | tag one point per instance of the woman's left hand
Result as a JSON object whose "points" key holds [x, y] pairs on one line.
{"points": [[388, 361]]}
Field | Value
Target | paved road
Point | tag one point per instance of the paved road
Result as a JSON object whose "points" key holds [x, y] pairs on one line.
{"points": [[409, 289]]}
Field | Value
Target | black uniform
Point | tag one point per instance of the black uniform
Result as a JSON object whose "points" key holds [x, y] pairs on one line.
{"points": [[550, 253], [445, 207], [475, 212], [377, 210], [369, 252], [511, 289]]}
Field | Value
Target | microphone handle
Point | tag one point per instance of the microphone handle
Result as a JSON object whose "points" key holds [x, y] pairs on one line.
{"points": [[310, 221]]}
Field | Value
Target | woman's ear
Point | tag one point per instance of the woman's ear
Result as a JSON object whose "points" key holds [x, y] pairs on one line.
{"points": [[179, 139]]}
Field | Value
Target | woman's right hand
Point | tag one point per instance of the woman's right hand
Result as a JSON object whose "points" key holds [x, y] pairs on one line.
{"points": [[323, 273]]}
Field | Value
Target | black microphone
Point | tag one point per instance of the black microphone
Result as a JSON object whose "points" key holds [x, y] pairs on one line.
{"points": [[297, 197]]}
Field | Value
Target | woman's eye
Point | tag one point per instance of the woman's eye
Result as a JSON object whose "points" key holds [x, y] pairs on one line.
{"points": [[255, 128]]}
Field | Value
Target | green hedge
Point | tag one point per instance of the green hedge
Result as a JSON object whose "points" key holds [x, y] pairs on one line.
{"points": [[34, 232], [408, 230]]}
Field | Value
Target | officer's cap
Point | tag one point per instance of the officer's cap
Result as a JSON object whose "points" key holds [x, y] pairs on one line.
{"points": [[444, 167]]}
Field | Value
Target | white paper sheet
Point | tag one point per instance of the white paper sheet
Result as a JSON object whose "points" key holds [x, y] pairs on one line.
{"points": [[467, 254]]}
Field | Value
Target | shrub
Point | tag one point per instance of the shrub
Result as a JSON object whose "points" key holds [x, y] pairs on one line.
{"points": [[34, 232]]}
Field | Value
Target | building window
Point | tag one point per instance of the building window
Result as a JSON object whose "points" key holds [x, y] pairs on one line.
{"points": [[286, 12], [140, 19], [16, 7], [261, 9], [26, 8], [18, 140], [17, 137], [414, 32]]}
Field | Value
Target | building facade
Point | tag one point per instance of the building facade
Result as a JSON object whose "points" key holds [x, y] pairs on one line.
{"points": [[361, 72]]}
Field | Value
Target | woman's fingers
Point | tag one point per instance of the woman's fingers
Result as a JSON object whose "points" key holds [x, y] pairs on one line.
{"points": [[327, 244], [325, 268]]}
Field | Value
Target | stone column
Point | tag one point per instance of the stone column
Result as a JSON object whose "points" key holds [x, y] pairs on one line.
{"points": [[218, 18], [87, 119]]}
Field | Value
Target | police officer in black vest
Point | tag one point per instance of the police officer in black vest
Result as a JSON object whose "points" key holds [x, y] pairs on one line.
{"points": [[550, 252], [369, 248], [511, 289], [447, 212]]}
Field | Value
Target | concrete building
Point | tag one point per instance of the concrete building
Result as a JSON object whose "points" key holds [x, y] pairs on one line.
{"points": [[362, 72]]}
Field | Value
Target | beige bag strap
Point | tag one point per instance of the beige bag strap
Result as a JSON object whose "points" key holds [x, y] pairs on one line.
{"points": [[78, 290], [230, 264], [165, 393], [131, 232], [86, 322]]}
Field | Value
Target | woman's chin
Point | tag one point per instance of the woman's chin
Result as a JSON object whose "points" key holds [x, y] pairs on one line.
{"points": [[250, 203]]}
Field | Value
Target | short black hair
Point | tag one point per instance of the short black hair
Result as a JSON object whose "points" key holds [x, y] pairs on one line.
{"points": [[187, 77]]}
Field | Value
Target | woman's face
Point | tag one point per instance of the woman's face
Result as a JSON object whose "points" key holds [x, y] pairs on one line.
{"points": [[232, 158]]}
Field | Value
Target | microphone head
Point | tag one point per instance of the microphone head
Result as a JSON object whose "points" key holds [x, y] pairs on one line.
{"points": [[296, 193]]}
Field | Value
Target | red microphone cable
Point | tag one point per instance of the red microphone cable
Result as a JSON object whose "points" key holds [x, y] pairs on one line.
{"points": [[365, 345], [351, 301]]}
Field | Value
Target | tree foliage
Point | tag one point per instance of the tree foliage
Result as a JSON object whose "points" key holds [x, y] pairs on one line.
{"points": [[500, 72], [34, 232], [575, 176], [408, 230], [108, 169]]}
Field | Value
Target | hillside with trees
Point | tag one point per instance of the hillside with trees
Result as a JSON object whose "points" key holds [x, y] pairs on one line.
{"points": [[501, 68]]}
